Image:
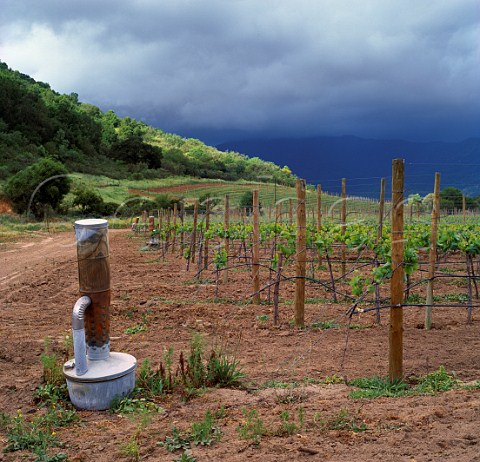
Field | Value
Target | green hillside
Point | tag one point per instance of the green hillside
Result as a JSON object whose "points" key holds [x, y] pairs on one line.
{"points": [[36, 122]]}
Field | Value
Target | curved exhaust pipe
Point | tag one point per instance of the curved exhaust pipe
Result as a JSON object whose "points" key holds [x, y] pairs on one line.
{"points": [[78, 328]]}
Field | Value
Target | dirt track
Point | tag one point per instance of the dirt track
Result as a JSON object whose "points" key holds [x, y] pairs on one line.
{"points": [[38, 286]]}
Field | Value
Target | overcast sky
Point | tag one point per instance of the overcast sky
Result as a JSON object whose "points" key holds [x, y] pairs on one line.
{"points": [[227, 69]]}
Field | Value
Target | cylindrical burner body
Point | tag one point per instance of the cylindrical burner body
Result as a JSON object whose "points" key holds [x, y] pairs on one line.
{"points": [[94, 281]]}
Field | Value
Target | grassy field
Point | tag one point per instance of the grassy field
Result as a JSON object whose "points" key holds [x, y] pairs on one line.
{"points": [[194, 188]]}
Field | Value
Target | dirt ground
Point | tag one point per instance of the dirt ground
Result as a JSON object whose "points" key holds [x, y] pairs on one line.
{"points": [[39, 285]]}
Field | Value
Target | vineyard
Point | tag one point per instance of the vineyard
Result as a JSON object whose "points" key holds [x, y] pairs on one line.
{"points": [[261, 331]]}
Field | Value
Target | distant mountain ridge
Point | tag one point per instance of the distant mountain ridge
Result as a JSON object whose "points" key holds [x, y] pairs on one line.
{"points": [[363, 162]]}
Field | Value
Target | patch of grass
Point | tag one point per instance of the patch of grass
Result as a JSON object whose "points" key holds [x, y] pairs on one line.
{"points": [[458, 283], [435, 382], [316, 301], [52, 367], [331, 379], [262, 318], [37, 436], [141, 326], [205, 433], [430, 384], [290, 396], [345, 421], [278, 384], [374, 387], [133, 405], [324, 325], [176, 442], [415, 299], [129, 312], [252, 428], [472, 386], [223, 368], [458, 298], [287, 426], [131, 448], [198, 282], [358, 326], [186, 457], [49, 395]]}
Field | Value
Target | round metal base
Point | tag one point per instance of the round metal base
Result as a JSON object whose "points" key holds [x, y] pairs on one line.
{"points": [[105, 380]]}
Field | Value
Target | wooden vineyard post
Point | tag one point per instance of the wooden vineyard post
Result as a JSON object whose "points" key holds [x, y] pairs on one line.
{"points": [[381, 210], [205, 240], [256, 249], [194, 231], [226, 224], [182, 233], [464, 208], [319, 216], [395, 337], [319, 207], [167, 231], [276, 290], [343, 219], [290, 211], [174, 226], [433, 251], [301, 254]]}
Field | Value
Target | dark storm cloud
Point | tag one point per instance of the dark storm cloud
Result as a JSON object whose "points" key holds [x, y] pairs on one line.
{"points": [[405, 68]]}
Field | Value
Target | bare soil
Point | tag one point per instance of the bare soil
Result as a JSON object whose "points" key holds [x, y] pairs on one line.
{"points": [[39, 285]]}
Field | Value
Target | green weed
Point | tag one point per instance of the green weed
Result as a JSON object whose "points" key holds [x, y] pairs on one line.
{"points": [[133, 405], [345, 421], [288, 426], [52, 367], [49, 394], [279, 384], [175, 442], [374, 387], [458, 298], [141, 326], [430, 384], [324, 325], [290, 397], [36, 436], [204, 433], [262, 318], [330, 379], [223, 368], [186, 457], [131, 448], [220, 369], [253, 428], [435, 382]]}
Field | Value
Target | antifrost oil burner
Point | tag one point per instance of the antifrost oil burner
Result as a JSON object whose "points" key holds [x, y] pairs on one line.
{"points": [[95, 376]]}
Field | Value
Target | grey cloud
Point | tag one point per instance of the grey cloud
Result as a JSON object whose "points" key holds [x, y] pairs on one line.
{"points": [[408, 68]]}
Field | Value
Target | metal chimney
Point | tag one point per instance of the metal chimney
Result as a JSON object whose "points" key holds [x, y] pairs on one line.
{"points": [[95, 376]]}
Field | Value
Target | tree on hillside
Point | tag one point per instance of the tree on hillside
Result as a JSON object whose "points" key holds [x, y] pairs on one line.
{"points": [[39, 186], [87, 200], [246, 202], [134, 151], [451, 198]]}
